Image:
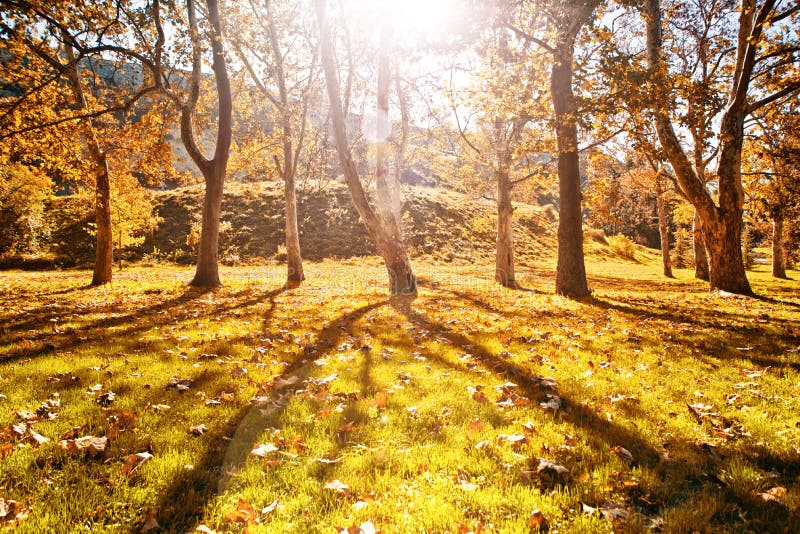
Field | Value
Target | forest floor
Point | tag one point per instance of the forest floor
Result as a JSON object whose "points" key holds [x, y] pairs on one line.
{"points": [[652, 406]]}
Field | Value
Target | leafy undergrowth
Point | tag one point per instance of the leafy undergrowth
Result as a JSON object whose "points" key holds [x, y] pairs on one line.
{"points": [[655, 405]]}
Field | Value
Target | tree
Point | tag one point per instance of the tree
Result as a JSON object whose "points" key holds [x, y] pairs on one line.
{"points": [[291, 64], [770, 169], [722, 220], [66, 43], [23, 192], [567, 18], [386, 237], [501, 140], [213, 168]]}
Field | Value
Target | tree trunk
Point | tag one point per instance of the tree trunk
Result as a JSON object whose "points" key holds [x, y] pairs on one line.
{"points": [[390, 246], [571, 269], [104, 247], [663, 226], [504, 260], [721, 225], [726, 266], [294, 260], [207, 272], [699, 249], [778, 256]]}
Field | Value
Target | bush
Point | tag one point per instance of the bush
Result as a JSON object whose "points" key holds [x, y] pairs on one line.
{"points": [[622, 246]]}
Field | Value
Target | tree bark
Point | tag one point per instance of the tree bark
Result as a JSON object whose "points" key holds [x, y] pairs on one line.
{"points": [[663, 226], [104, 247], [214, 169], [571, 269], [504, 259], [778, 256], [699, 249], [389, 244]]}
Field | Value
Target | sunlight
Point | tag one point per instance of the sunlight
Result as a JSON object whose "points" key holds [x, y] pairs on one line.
{"points": [[411, 20]]}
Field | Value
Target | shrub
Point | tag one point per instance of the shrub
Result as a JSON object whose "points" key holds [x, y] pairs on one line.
{"points": [[622, 246]]}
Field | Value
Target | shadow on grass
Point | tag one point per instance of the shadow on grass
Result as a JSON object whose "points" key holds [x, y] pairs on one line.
{"points": [[212, 475], [140, 320]]}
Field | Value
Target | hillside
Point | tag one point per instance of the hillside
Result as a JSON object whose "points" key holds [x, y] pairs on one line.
{"points": [[445, 225]]}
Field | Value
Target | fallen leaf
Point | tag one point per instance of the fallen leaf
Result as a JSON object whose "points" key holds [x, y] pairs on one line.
{"points": [[338, 487], [774, 495], [37, 438], [614, 513], [133, 461], [180, 384], [263, 450], [244, 513], [106, 399], [347, 428], [551, 402], [538, 521], [271, 507], [552, 468], [89, 445], [623, 453], [198, 430]]}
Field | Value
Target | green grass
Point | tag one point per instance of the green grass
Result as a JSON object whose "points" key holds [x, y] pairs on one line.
{"points": [[400, 421]]}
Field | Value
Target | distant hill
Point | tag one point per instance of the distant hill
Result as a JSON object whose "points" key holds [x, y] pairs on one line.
{"points": [[441, 224]]}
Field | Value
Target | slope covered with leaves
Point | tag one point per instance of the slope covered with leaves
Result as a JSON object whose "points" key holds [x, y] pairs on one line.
{"points": [[472, 408]]}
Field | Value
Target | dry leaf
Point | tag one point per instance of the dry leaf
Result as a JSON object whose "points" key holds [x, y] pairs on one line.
{"points": [[244, 513], [198, 430], [538, 521], [89, 445], [271, 507], [133, 461], [263, 449], [614, 513], [552, 468], [338, 487], [623, 453]]}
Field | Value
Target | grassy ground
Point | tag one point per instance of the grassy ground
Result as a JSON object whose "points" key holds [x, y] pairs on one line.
{"points": [[653, 405]]}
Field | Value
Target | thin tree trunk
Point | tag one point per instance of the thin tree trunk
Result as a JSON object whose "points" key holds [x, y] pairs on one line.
{"points": [[699, 249], [104, 247], [778, 256], [663, 226], [504, 259], [571, 269], [294, 260], [391, 248]]}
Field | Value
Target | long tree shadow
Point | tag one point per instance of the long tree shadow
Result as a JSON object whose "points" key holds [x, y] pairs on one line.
{"points": [[730, 333], [245, 428], [140, 320], [575, 411]]}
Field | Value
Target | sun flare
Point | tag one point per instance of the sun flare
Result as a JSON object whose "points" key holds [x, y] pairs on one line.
{"points": [[410, 19]]}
